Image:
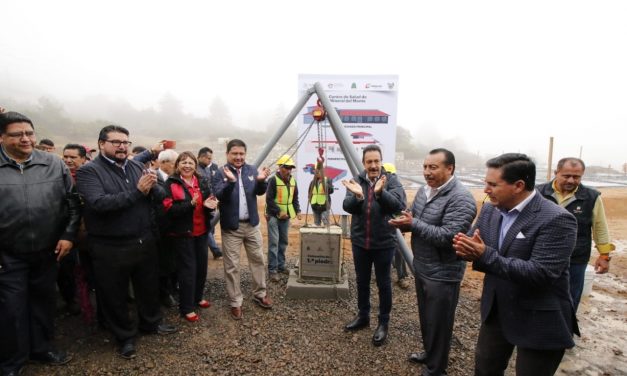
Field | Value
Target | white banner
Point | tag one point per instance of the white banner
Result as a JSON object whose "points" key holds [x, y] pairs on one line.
{"points": [[367, 106]]}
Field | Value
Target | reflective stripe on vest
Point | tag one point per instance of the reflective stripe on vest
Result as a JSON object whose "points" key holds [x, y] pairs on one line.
{"points": [[285, 196], [319, 194]]}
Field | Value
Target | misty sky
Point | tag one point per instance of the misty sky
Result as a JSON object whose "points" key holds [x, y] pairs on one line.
{"points": [[496, 76]]}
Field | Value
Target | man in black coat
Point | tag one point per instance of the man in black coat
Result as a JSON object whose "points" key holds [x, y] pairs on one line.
{"points": [[118, 194], [523, 243], [372, 199], [40, 218]]}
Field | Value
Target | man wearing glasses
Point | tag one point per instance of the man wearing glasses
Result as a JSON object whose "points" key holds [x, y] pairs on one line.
{"points": [[118, 194], [281, 205], [40, 218]]}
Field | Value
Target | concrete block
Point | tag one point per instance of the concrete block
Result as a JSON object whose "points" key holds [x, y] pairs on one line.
{"points": [[303, 289]]}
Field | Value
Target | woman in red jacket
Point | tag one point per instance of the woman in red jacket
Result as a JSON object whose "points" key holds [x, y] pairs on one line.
{"points": [[189, 205]]}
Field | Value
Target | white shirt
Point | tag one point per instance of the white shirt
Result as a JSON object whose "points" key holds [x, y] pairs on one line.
{"points": [[243, 205], [430, 193]]}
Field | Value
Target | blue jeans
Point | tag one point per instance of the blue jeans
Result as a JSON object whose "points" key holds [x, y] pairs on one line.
{"points": [[577, 277], [211, 242], [399, 264], [277, 243], [382, 260]]}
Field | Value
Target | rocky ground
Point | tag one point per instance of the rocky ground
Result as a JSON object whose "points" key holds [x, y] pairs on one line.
{"points": [[306, 337]]}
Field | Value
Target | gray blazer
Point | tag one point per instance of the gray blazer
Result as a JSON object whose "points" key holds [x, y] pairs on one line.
{"points": [[527, 279]]}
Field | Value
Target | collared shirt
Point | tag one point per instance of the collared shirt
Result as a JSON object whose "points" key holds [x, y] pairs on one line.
{"points": [[509, 217], [600, 230], [243, 205], [430, 193], [13, 161], [163, 175]]}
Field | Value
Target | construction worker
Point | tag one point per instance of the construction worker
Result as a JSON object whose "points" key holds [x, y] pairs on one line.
{"points": [[320, 190], [281, 205]]}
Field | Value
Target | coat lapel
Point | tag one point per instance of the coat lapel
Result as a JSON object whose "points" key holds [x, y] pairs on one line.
{"points": [[494, 233], [525, 217]]}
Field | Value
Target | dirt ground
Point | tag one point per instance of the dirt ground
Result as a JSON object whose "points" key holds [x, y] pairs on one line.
{"points": [[306, 337]]}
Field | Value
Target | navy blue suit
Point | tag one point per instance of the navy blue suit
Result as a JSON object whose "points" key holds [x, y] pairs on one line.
{"points": [[526, 289], [228, 194]]}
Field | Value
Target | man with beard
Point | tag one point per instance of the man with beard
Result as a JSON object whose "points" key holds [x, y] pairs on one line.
{"points": [[118, 195]]}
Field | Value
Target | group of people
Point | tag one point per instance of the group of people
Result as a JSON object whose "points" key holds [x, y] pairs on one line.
{"points": [[138, 222], [532, 243]]}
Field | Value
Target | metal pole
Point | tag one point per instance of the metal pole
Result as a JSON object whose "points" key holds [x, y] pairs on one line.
{"points": [[352, 157], [548, 172], [286, 123]]}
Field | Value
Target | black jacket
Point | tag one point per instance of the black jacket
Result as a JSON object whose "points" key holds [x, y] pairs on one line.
{"points": [[181, 213], [38, 205], [369, 224], [115, 210], [582, 208]]}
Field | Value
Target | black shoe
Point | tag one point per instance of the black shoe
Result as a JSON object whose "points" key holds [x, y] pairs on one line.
{"points": [[357, 323], [161, 329], [380, 334], [52, 358], [127, 350], [418, 358], [168, 301], [73, 308], [165, 329]]}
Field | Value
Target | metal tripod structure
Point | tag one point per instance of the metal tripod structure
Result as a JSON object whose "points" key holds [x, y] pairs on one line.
{"points": [[352, 158]]}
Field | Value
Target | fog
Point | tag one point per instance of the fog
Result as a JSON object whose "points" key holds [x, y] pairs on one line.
{"points": [[483, 76]]}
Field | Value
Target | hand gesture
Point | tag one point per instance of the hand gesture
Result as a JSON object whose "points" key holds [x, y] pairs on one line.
{"points": [[195, 199], [263, 173], [403, 221], [467, 248], [146, 182], [211, 202], [158, 147], [378, 187], [63, 248], [228, 174], [353, 187], [601, 265]]}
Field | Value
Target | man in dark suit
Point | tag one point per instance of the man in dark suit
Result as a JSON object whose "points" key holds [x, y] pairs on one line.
{"points": [[523, 244]]}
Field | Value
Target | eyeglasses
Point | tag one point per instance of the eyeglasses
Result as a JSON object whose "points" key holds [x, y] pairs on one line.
{"points": [[287, 167], [117, 143], [28, 134]]}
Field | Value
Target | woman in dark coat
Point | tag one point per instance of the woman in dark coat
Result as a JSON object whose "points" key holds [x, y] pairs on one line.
{"points": [[189, 205]]}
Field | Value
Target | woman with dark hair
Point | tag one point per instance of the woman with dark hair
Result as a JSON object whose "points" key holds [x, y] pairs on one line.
{"points": [[188, 205]]}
